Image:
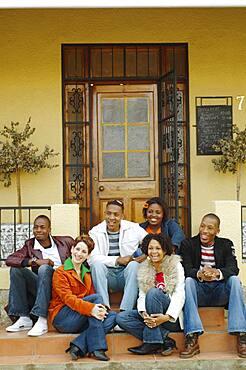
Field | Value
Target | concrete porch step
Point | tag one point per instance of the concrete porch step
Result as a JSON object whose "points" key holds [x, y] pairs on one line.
{"points": [[54, 343], [218, 350], [203, 361]]}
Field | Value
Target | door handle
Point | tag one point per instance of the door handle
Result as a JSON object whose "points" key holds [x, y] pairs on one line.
{"points": [[101, 188]]}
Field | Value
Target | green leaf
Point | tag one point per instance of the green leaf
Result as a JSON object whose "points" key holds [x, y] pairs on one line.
{"points": [[17, 153]]}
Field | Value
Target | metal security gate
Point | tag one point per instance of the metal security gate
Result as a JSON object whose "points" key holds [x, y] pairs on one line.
{"points": [[168, 142], [77, 162], [173, 157]]}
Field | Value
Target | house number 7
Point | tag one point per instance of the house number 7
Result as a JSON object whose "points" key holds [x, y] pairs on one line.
{"points": [[241, 99]]}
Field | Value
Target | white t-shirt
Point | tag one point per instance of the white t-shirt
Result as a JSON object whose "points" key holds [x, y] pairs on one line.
{"points": [[51, 253]]}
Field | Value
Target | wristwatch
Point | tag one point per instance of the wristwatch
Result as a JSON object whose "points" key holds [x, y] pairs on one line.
{"points": [[34, 259]]}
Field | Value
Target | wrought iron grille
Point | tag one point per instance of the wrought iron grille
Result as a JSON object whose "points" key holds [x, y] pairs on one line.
{"points": [[12, 233], [243, 228], [77, 158], [173, 161]]}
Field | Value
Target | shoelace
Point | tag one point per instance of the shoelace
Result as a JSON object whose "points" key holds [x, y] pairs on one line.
{"points": [[189, 339], [169, 342], [242, 338]]}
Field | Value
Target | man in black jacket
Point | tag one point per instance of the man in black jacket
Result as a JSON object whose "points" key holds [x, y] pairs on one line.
{"points": [[30, 291], [211, 280]]}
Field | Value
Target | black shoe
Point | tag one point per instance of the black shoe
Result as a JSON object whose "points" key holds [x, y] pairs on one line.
{"points": [[168, 346], [146, 348], [99, 355], [75, 352], [133, 349]]}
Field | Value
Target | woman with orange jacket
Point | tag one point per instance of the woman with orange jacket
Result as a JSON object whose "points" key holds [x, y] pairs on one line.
{"points": [[75, 308]]}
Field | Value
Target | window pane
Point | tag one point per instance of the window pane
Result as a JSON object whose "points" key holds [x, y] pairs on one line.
{"points": [[138, 165], [181, 61], [137, 110], [131, 62], [75, 101], [154, 62], [180, 106], [69, 62], [167, 59], [138, 138], [106, 62], [142, 62], [113, 165], [76, 179], [96, 62], [113, 138], [75, 145], [113, 110], [118, 62]]}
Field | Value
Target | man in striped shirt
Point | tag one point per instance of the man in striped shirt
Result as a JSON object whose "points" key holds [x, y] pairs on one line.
{"points": [[113, 264], [211, 280]]}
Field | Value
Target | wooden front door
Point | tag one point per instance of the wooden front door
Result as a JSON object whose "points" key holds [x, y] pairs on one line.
{"points": [[125, 148]]}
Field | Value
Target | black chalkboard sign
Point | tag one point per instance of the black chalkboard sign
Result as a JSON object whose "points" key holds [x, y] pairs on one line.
{"points": [[214, 122]]}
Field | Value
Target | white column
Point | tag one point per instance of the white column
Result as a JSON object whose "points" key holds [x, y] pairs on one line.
{"points": [[229, 213], [4, 278], [65, 220]]}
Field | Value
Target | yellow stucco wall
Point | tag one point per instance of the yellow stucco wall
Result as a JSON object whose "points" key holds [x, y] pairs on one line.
{"points": [[30, 70]]}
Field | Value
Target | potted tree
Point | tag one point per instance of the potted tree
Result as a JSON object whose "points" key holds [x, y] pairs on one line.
{"points": [[18, 155], [233, 156]]}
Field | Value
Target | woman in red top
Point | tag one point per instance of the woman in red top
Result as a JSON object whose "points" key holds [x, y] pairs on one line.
{"points": [[75, 308], [161, 298]]}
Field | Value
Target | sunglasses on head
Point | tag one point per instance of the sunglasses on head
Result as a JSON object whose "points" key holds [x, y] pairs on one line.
{"points": [[118, 201]]}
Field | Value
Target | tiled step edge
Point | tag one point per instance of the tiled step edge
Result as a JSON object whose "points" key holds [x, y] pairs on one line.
{"points": [[230, 362]]}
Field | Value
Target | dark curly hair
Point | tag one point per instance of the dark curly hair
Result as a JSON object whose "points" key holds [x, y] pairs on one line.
{"points": [[164, 241], [87, 240], [160, 202]]}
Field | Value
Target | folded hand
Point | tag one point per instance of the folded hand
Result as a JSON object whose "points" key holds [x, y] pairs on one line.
{"points": [[99, 311], [45, 261]]}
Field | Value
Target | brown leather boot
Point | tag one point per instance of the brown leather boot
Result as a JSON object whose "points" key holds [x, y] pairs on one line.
{"points": [[191, 346], [241, 344]]}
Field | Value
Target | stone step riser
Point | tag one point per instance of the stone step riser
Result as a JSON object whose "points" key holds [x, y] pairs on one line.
{"points": [[133, 363], [55, 344]]}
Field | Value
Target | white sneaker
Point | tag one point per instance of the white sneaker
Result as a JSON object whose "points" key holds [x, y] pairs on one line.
{"points": [[23, 323], [40, 328], [117, 328]]}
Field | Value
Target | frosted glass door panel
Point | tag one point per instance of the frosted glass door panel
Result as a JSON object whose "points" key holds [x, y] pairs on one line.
{"points": [[138, 138], [112, 110], [125, 132], [138, 164], [137, 110], [113, 138], [113, 165]]}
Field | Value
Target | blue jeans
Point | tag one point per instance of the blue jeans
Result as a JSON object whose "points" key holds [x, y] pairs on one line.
{"points": [[156, 302], [92, 331], [30, 293], [123, 278], [215, 293]]}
